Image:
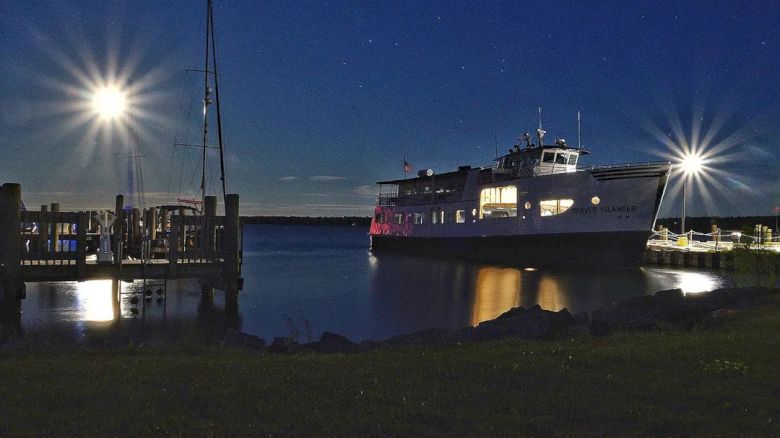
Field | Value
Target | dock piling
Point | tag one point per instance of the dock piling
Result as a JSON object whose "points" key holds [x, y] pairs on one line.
{"points": [[10, 249], [232, 268], [118, 230]]}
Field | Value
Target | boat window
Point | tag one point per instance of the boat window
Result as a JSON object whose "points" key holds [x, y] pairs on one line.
{"points": [[398, 218], [548, 157], [562, 158], [552, 207], [460, 216], [498, 202], [441, 216], [419, 218], [573, 159], [379, 218], [434, 217]]}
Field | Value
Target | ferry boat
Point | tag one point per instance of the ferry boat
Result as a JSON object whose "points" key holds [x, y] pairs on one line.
{"points": [[534, 207]]}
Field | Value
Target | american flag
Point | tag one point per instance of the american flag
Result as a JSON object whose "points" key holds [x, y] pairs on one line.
{"points": [[407, 166]]}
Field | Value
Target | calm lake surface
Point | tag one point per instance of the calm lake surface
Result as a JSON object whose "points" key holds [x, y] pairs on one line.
{"points": [[309, 279]]}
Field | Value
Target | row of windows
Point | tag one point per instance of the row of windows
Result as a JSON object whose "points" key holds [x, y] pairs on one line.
{"points": [[489, 210]]}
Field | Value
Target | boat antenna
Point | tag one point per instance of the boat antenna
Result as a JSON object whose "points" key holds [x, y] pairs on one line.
{"points": [[216, 96], [540, 118], [540, 132], [579, 132]]}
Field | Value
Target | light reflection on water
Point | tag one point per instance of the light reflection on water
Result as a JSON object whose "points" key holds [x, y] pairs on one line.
{"points": [[326, 278], [497, 290], [94, 301]]}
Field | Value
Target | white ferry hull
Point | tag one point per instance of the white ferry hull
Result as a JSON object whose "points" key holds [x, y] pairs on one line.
{"points": [[612, 213]]}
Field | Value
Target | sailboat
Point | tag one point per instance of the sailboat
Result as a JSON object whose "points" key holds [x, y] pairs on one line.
{"points": [[197, 206]]}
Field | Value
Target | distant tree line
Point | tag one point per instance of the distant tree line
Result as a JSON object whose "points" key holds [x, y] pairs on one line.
{"points": [[704, 224], [701, 224], [343, 221]]}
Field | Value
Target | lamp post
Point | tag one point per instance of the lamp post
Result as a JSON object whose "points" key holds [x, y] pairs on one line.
{"points": [[690, 164]]}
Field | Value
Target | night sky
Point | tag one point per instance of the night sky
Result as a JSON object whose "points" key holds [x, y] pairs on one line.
{"points": [[322, 99]]}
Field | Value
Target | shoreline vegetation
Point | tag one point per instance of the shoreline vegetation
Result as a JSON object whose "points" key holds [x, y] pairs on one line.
{"points": [[342, 221], [666, 364]]}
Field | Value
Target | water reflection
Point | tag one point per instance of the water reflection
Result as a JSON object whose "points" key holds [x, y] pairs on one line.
{"points": [[105, 310], [325, 278], [411, 293], [94, 301], [497, 290], [688, 281], [550, 295]]}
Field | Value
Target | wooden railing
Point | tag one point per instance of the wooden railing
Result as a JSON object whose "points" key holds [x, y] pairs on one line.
{"points": [[53, 237]]}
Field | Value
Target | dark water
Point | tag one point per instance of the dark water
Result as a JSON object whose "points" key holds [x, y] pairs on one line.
{"points": [[308, 279]]}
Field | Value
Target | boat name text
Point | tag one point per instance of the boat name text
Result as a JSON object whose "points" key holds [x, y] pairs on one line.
{"points": [[604, 209]]}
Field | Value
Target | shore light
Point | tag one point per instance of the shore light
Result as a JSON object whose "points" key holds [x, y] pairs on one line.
{"points": [[691, 164], [109, 102]]}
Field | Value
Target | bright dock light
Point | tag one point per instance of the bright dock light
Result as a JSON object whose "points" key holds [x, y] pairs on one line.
{"points": [[692, 163], [109, 102]]}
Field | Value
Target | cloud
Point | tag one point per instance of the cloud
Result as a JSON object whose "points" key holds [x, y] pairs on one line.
{"points": [[288, 178], [322, 195], [366, 191], [326, 178]]}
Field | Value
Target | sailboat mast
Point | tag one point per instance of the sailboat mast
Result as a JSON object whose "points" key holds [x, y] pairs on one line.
{"points": [[206, 102], [216, 96]]}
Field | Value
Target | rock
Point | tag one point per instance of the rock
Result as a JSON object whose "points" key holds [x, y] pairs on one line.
{"points": [[666, 305], [245, 340], [283, 345], [334, 343], [533, 323]]}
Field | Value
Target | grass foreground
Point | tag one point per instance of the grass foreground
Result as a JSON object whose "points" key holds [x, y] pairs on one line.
{"points": [[719, 379]]}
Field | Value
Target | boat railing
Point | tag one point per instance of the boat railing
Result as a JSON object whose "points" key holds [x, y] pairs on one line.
{"points": [[393, 200], [528, 172], [622, 165], [715, 241]]}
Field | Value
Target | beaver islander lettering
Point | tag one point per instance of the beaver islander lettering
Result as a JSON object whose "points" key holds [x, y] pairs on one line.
{"points": [[604, 209]]}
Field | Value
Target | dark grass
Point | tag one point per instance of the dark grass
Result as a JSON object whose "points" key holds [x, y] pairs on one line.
{"points": [[720, 379]]}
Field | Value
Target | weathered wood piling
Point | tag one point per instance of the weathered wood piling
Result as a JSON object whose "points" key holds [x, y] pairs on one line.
{"points": [[692, 259]]}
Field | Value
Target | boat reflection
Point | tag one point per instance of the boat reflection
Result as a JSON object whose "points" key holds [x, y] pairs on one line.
{"points": [[550, 294], [497, 290], [411, 293]]}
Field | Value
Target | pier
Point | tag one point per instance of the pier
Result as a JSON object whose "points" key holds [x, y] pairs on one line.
{"points": [[705, 250], [156, 243]]}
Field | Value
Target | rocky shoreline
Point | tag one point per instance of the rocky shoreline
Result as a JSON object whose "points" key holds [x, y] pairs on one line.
{"points": [[666, 308]]}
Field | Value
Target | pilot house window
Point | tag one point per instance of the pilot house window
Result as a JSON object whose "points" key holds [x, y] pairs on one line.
{"points": [[554, 206], [498, 202]]}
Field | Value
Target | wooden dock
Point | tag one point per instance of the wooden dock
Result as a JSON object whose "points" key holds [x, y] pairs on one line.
{"points": [[159, 244]]}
